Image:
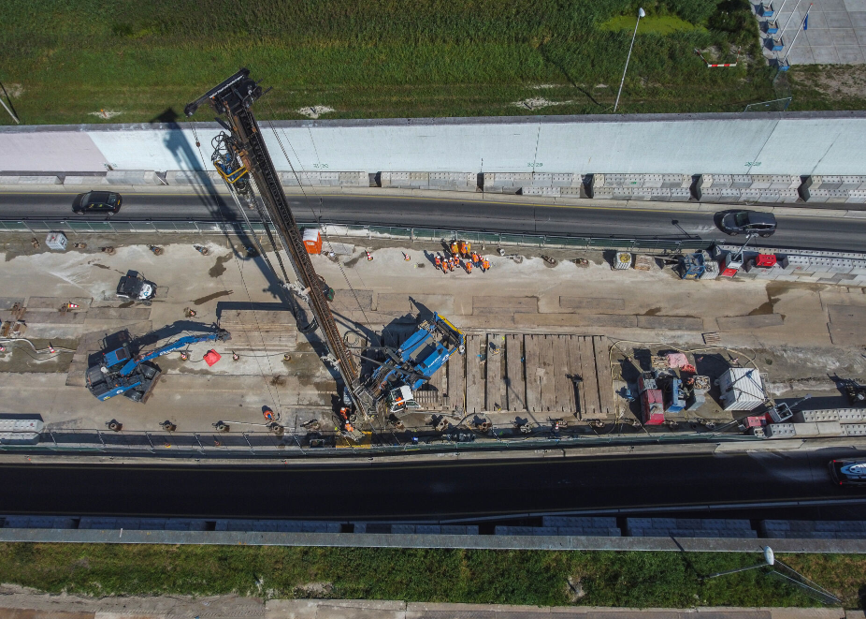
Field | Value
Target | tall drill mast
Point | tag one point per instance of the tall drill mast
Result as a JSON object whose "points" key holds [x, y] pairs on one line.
{"points": [[232, 99]]}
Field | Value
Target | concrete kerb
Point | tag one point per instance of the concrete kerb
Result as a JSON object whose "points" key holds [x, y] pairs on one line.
{"points": [[16, 598], [472, 542]]}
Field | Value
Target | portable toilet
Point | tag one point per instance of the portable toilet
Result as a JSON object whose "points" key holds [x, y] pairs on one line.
{"points": [[741, 389], [312, 240], [56, 241]]}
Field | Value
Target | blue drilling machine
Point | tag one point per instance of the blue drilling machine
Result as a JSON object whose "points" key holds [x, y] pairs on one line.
{"points": [[408, 367]]}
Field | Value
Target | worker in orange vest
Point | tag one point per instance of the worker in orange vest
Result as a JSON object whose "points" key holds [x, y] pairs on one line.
{"points": [[438, 262], [454, 248], [485, 265], [475, 258], [445, 266], [455, 262], [468, 265]]}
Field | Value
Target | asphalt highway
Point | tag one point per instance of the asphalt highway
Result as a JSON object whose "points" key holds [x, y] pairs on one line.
{"points": [[836, 233], [424, 490]]}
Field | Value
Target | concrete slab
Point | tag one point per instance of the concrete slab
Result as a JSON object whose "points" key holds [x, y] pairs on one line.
{"points": [[802, 55], [576, 320], [481, 304], [846, 324], [850, 54], [442, 303], [54, 303], [670, 323], [825, 54], [352, 300], [836, 19], [578, 303], [817, 37], [131, 314], [858, 18], [739, 323]]}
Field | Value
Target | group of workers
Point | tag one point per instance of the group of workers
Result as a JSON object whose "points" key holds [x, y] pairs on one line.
{"points": [[460, 255]]}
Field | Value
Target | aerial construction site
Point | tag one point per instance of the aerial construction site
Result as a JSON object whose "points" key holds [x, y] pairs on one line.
{"points": [[269, 337]]}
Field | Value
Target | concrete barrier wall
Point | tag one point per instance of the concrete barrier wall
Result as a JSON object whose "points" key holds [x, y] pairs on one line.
{"points": [[50, 151], [801, 143]]}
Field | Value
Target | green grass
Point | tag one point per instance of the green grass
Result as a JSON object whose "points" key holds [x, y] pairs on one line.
{"points": [[65, 60], [662, 25], [507, 577]]}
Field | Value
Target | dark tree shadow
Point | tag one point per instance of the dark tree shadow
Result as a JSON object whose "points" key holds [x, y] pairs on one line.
{"points": [[9, 103], [548, 58]]}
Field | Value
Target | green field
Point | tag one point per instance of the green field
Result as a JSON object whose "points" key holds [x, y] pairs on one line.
{"points": [[634, 579], [64, 61]]}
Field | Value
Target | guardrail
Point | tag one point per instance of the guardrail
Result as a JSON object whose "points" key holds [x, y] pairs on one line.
{"points": [[217, 445], [45, 226]]}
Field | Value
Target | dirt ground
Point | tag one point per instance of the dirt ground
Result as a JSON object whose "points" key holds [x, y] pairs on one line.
{"points": [[522, 293]]}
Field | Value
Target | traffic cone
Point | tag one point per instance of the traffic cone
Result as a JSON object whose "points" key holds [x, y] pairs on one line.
{"points": [[369, 256]]}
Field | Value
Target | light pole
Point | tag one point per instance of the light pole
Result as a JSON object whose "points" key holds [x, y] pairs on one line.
{"points": [[640, 13]]}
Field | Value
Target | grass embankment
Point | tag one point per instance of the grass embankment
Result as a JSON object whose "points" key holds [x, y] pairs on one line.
{"points": [[65, 60], [507, 577]]}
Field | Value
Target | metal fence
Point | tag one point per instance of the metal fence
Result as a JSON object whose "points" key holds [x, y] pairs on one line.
{"points": [[352, 232], [218, 445]]}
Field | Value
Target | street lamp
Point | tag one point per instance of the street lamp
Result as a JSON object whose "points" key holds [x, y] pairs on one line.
{"points": [[640, 13]]}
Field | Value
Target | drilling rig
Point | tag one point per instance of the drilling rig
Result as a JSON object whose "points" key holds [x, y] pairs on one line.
{"points": [[241, 156], [242, 152]]}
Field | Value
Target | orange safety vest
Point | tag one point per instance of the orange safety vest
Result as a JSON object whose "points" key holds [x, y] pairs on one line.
{"points": [[485, 264], [468, 267], [454, 247]]}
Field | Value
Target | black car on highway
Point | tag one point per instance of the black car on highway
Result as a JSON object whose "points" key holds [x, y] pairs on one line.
{"points": [[97, 202], [848, 472], [748, 222]]}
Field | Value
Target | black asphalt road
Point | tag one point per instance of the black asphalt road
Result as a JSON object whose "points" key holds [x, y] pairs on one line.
{"points": [[422, 490], [454, 214]]}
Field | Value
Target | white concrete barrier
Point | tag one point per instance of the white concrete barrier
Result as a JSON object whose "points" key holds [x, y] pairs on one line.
{"points": [[191, 177], [325, 179], [48, 179], [131, 177], [453, 181], [834, 189]]}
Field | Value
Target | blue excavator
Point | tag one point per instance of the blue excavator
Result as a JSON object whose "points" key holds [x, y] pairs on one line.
{"points": [[119, 372]]}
